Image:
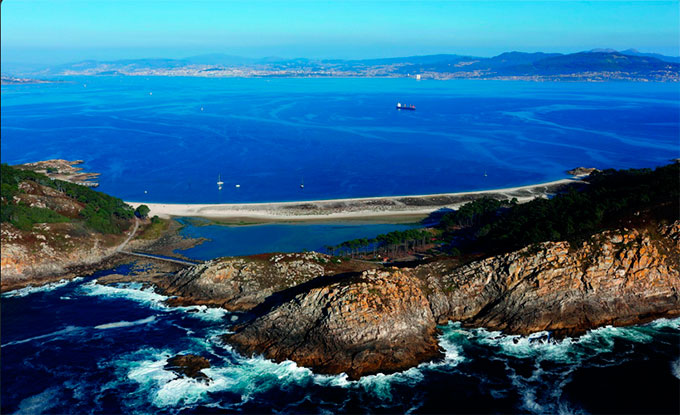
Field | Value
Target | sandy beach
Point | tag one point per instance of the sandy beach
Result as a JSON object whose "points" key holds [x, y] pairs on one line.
{"points": [[371, 209]]}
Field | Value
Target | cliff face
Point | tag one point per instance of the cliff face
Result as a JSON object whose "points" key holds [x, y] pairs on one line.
{"points": [[42, 252], [376, 321], [619, 277], [383, 321], [47, 251]]}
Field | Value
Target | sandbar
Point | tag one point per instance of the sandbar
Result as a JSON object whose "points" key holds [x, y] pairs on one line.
{"points": [[369, 209]]}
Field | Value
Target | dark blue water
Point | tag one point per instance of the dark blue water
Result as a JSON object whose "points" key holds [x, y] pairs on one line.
{"points": [[256, 239], [81, 347], [342, 136]]}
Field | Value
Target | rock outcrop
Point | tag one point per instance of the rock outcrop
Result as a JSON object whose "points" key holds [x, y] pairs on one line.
{"points": [[189, 365], [378, 321], [617, 277], [48, 251], [385, 320], [241, 283]]}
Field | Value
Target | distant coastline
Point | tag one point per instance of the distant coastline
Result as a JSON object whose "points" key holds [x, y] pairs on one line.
{"points": [[594, 65], [387, 208]]}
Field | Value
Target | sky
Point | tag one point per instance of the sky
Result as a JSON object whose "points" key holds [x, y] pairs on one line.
{"points": [[49, 31]]}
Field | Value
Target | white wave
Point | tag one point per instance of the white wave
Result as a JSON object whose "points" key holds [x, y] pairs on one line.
{"points": [[37, 404], [124, 323], [673, 323], [205, 313], [538, 344], [147, 295], [541, 345], [132, 291], [675, 368], [246, 378], [67, 330], [23, 292]]}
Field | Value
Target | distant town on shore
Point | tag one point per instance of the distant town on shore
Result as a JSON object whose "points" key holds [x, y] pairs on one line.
{"points": [[593, 65]]}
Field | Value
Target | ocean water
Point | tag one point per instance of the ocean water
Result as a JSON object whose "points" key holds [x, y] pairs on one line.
{"points": [[256, 239], [343, 137], [56, 358]]}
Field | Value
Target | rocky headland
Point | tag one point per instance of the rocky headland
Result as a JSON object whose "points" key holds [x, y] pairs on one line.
{"points": [[385, 319]]}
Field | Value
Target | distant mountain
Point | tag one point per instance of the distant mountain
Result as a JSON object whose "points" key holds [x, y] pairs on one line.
{"points": [[592, 62], [596, 64], [635, 52], [220, 59]]}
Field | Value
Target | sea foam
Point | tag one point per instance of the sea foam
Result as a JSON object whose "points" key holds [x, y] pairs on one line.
{"points": [[22, 292]]}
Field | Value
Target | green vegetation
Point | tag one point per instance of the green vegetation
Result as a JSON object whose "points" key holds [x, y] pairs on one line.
{"points": [[142, 211], [611, 198], [156, 229], [475, 212], [384, 244], [101, 212], [23, 217]]}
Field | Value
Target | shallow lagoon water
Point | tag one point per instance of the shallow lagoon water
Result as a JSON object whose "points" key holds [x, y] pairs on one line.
{"points": [[343, 137], [58, 359], [255, 239]]}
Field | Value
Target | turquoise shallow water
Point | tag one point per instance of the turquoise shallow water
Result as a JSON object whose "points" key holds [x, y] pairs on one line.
{"points": [[343, 137]]}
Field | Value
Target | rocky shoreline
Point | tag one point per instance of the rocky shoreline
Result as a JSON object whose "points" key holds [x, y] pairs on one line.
{"points": [[361, 318]]}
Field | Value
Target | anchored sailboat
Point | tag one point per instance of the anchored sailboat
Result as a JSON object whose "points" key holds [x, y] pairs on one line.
{"points": [[219, 182]]}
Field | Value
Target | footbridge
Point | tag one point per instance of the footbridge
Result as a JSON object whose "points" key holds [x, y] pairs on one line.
{"points": [[162, 258]]}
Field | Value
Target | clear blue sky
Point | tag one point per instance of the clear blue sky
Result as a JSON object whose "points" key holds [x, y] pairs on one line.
{"points": [[49, 31]]}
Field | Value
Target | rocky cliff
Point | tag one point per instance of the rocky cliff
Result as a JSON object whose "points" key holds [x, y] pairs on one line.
{"points": [[44, 232], [373, 322], [385, 320], [241, 283], [48, 251], [617, 277]]}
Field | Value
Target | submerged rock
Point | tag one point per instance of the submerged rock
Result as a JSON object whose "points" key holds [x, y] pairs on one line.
{"points": [[189, 365]]}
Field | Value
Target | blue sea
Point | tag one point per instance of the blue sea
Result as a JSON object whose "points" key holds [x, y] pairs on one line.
{"points": [[162, 139], [81, 347]]}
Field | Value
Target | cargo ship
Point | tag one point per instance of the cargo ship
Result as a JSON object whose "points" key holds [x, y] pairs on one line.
{"points": [[401, 106]]}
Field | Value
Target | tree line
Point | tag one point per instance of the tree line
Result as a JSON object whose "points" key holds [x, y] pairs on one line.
{"points": [[102, 213]]}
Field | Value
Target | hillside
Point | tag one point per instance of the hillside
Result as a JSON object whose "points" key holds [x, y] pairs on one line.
{"points": [[50, 225]]}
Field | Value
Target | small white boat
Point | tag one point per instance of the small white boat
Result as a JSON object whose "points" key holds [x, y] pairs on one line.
{"points": [[219, 182], [238, 185]]}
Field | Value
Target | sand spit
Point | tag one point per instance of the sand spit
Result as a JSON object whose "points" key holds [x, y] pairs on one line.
{"points": [[370, 208]]}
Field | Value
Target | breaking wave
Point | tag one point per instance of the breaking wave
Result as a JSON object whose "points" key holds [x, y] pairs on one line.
{"points": [[121, 324], [23, 292]]}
